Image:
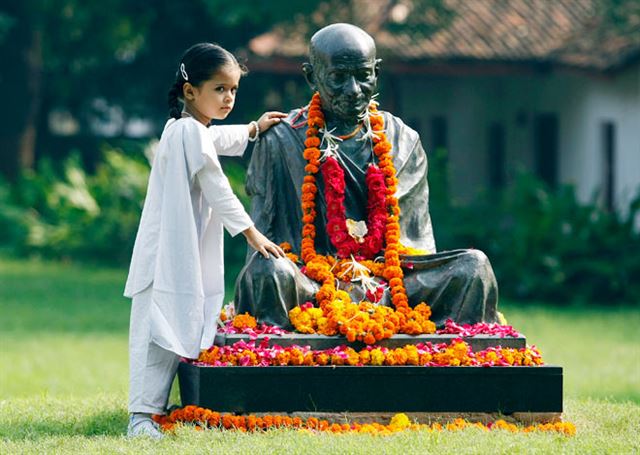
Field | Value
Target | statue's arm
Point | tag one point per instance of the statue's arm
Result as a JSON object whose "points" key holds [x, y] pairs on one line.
{"points": [[413, 195], [260, 185]]}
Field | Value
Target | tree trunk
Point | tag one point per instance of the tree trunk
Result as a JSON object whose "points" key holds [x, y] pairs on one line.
{"points": [[22, 77], [27, 142]]}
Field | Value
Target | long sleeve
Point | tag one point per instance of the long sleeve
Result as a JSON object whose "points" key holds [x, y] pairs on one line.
{"points": [[221, 198], [229, 140]]}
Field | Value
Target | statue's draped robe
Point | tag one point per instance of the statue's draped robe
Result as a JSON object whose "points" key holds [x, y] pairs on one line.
{"points": [[457, 284]]}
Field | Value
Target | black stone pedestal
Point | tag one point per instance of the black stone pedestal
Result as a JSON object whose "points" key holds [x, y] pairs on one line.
{"points": [[372, 389]]}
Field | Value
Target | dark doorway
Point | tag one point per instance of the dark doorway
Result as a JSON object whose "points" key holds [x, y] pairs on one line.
{"points": [[439, 133], [545, 148], [496, 156], [608, 133]]}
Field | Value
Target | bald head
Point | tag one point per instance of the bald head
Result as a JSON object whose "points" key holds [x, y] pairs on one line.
{"points": [[341, 40], [343, 68]]}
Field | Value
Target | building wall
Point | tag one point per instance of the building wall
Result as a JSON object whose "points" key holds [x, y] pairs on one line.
{"points": [[581, 104]]}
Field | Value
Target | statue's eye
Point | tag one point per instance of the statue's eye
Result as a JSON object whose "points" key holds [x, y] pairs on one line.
{"points": [[364, 76], [337, 78]]}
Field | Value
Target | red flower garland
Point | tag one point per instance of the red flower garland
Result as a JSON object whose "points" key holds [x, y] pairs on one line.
{"points": [[334, 186]]}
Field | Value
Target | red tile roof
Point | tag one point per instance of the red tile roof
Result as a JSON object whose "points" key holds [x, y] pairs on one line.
{"points": [[575, 33]]}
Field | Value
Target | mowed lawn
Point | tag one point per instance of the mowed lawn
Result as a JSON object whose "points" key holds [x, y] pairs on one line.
{"points": [[63, 377]]}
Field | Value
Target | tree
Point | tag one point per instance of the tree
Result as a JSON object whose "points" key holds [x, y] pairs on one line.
{"points": [[67, 53]]}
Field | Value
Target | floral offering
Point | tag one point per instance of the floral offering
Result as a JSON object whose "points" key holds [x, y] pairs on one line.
{"points": [[458, 353], [206, 419]]}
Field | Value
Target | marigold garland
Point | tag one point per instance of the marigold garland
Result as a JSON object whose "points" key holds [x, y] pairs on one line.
{"points": [[204, 418], [458, 353], [337, 313]]}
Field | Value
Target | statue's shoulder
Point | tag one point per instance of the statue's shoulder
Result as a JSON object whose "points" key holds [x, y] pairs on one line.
{"points": [[397, 128]]}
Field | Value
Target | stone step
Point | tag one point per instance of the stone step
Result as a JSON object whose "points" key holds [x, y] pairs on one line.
{"points": [[477, 343]]}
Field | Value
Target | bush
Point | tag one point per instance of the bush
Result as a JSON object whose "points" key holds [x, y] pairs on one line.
{"points": [[74, 215], [546, 245]]}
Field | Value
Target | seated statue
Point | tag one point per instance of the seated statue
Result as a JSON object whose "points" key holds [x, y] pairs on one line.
{"points": [[343, 70]]}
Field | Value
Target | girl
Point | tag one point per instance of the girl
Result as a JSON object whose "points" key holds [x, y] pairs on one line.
{"points": [[176, 278]]}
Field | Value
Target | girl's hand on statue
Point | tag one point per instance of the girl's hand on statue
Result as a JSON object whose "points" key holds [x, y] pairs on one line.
{"points": [[261, 244], [268, 119]]}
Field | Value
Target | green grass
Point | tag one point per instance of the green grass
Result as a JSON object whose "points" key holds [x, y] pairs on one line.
{"points": [[63, 377]]}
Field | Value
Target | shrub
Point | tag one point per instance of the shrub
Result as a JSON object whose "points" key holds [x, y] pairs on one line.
{"points": [[547, 245], [75, 215]]}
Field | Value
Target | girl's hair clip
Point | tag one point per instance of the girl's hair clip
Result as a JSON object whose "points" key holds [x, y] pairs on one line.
{"points": [[183, 72]]}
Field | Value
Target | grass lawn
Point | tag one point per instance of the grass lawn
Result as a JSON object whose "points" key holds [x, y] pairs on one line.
{"points": [[63, 377]]}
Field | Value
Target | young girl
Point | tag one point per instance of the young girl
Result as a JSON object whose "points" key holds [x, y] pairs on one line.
{"points": [[176, 278]]}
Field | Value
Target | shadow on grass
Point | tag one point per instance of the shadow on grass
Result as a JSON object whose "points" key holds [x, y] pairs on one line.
{"points": [[103, 423]]}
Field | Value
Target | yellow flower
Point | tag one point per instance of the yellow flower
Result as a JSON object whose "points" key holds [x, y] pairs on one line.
{"points": [[377, 357], [400, 421]]}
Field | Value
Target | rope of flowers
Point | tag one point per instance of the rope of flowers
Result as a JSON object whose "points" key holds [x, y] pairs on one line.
{"points": [[204, 418], [247, 325], [457, 353]]}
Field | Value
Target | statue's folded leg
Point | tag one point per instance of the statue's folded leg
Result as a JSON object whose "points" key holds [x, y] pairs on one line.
{"points": [[457, 284], [269, 288]]}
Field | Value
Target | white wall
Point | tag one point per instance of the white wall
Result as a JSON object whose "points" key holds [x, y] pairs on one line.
{"points": [[582, 103]]}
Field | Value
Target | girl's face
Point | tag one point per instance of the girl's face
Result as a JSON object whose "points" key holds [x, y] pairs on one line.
{"points": [[213, 99]]}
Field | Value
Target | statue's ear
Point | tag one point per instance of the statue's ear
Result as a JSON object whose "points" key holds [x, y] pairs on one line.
{"points": [[376, 67], [309, 75]]}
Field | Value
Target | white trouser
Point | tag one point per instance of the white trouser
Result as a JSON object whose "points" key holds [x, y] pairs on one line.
{"points": [[151, 368]]}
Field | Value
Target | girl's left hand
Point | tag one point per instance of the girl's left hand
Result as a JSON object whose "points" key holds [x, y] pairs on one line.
{"points": [[268, 119], [261, 244]]}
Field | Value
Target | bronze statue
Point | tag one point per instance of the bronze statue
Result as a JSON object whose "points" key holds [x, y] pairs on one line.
{"points": [[343, 68]]}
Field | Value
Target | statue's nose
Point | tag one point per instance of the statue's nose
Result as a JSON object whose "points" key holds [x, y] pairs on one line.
{"points": [[351, 86]]}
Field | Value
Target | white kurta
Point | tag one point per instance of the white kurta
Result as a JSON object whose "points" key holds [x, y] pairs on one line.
{"points": [[179, 245]]}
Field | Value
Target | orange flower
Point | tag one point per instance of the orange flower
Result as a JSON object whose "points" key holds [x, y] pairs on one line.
{"points": [[245, 320]]}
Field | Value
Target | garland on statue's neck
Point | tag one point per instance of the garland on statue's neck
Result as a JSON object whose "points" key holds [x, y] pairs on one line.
{"points": [[356, 248]]}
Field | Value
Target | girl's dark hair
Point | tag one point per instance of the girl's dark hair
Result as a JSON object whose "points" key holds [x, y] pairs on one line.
{"points": [[197, 65]]}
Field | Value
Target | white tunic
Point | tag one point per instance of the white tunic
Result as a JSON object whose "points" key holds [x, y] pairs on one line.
{"points": [[179, 245]]}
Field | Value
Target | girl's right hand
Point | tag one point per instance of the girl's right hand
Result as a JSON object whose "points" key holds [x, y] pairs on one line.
{"points": [[268, 119], [261, 244]]}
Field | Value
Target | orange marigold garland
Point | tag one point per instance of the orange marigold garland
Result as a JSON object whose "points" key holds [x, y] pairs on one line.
{"points": [[206, 418], [363, 322], [458, 353]]}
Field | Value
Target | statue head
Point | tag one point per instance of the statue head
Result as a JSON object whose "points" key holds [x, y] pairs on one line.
{"points": [[344, 69]]}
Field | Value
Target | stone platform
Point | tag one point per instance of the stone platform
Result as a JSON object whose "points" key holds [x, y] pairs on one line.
{"points": [[477, 343], [372, 389], [533, 393]]}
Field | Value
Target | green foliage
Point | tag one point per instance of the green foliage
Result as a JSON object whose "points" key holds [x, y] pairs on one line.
{"points": [[70, 214], [546, 244]]}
